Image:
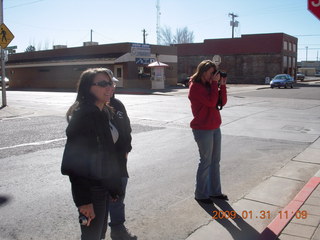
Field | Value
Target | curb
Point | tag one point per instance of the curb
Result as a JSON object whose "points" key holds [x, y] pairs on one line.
{"points": [[274, 229]]}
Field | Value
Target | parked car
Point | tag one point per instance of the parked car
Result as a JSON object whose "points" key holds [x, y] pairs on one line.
{"points": [[6, 81], [282, 80], [300, 76], [317, 74], [184, 81]]}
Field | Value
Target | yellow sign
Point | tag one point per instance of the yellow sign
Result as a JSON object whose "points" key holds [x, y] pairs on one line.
{"points": [[5, 36]]}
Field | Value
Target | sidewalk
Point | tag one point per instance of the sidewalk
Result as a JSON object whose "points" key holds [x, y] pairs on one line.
{"points": [[273, 210]]}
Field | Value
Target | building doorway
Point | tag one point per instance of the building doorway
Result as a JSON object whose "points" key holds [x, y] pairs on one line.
{"points": [[118, 73]]}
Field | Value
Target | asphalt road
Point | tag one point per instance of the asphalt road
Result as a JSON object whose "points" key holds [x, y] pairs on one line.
{"points": [[262, 129]]}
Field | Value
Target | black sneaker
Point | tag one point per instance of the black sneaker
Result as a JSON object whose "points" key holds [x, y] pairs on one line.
{"points": [[121, 233], [222, 197], [206, 200]]}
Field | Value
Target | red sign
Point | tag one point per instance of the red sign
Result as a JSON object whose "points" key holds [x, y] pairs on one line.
{"points": [[314, 7]]}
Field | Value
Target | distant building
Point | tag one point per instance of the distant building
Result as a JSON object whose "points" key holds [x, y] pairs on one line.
{"points": [[61, 67], [309, 68], [249, 59]]}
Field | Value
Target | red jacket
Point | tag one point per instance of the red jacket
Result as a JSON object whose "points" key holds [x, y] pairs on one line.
{"points": [[203, 105]]}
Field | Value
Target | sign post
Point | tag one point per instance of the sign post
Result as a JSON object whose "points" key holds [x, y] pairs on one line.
{"points": [[314, 7], [6, 37]]}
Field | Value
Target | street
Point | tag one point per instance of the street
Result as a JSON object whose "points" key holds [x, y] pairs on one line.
{"points": [[262, 130]]}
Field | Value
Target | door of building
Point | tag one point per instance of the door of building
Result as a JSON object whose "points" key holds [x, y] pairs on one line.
{"points": [[118, 73]]}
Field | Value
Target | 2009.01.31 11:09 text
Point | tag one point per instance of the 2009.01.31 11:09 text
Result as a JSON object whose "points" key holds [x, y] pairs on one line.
{"points": [[259, 215]]}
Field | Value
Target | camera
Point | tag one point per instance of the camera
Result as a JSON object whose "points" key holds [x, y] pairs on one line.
{"points": [[83, 220], [222, 74]]}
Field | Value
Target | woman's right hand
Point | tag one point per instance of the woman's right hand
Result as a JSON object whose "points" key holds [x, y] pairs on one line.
{"points": [[88, 211], [215, 77]]}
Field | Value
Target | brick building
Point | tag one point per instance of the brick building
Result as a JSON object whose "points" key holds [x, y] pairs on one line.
{"points": [[61, 67], [249, 59]]}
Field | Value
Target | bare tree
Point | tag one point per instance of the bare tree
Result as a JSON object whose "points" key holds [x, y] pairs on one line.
{"points": [[46, 45], [183, 35], [39, 47], [166, 35]]}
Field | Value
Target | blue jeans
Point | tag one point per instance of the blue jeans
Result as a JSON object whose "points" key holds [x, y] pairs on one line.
{"points": [[208, 175], [116, 210]]}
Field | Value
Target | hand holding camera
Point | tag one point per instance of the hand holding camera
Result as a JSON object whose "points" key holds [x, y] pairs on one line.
{"points": [[220, 76], [86, 214]]}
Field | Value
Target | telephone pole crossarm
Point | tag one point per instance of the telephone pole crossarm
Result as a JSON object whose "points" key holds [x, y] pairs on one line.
{"points": [[233, 23]]}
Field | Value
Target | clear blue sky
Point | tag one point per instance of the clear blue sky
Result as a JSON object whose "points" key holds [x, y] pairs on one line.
{"points": [[44, 23]]}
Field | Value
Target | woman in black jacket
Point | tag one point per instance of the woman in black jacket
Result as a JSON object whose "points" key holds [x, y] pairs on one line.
{"points": [[88, 136]]}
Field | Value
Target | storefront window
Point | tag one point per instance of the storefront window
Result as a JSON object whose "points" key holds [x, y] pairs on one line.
{"points": [[144, 72]]}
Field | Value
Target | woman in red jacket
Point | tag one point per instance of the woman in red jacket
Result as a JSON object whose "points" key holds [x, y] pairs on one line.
{"points": [[204, 98]]}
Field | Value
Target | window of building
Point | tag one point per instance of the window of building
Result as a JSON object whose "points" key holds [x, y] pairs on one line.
{"points": [[294, 47], [285, 61], [290, 46], [119, 72], [290, 62], [144, 72], [285, 45]]}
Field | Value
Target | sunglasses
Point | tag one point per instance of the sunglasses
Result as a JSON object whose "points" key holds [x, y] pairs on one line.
{"points": [[103, 84]]}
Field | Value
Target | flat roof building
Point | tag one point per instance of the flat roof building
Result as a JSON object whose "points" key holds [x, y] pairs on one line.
{"points": [[249, 59], [62, 66]]}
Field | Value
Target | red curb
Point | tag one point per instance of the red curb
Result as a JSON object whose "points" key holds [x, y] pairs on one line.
{"points": [[273, 230]]}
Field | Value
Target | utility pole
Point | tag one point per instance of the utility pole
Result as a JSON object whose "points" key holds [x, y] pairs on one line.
{"points": [[144, 36], [158, 21], [91, 35], [233, 23], [3, 71], [307, 54]]}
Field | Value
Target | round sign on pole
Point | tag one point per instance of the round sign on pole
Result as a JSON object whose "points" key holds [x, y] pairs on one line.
{"points": [[216, 60], [314, 7]]}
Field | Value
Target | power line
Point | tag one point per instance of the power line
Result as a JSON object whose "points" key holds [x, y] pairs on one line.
{"points": [[24, 4], [308, 35]]}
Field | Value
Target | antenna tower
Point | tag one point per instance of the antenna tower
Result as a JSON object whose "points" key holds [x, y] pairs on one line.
{"points": [[158, 21]]}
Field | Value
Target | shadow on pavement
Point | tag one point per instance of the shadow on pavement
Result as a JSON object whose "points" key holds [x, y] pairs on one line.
{"points": [[300, 84], [236, 226], [4, 200]]}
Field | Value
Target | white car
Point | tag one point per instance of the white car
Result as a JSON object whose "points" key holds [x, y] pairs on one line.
{"points": [[6, 81]]}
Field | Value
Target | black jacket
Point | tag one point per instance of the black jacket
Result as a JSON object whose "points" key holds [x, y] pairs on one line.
{"points": [[122, 123], [88, 129]]}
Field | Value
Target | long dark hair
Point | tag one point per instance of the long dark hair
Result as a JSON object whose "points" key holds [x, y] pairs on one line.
{"points": [[84, 95], [85, 82], [204, 66]]}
